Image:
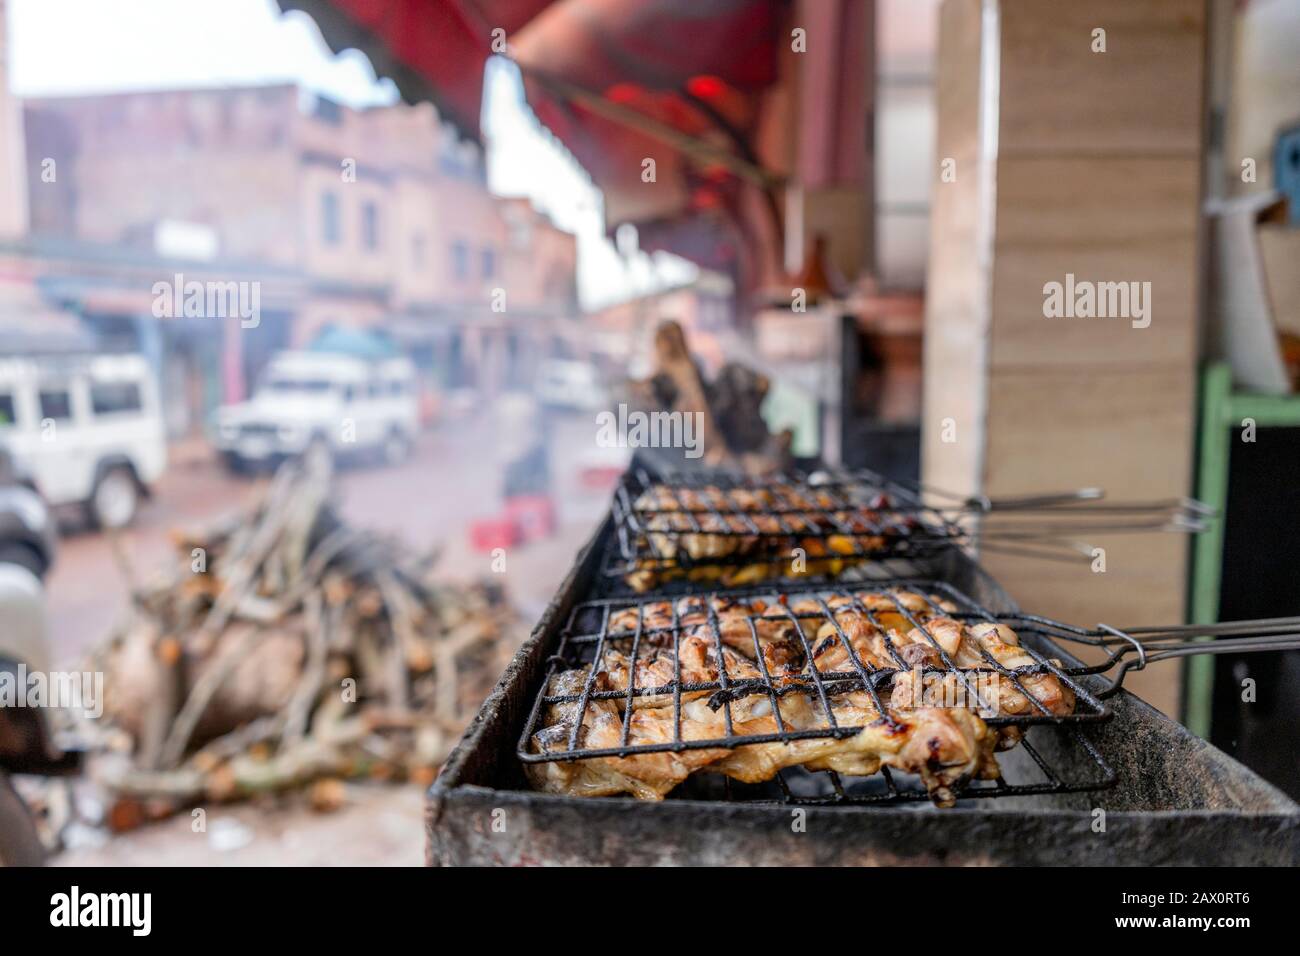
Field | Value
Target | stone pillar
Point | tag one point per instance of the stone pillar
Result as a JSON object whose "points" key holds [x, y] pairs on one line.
{"points": [[1074, 139]]}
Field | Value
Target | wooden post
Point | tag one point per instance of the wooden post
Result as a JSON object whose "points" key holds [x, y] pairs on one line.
{"points": [[1076, 131]]}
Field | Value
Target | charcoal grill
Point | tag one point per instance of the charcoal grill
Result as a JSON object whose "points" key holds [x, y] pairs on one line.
{"points": [[1120, 783]]}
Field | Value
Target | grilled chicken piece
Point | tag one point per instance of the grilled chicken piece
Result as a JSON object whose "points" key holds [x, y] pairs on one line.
{"points": [[948, 747], [914, 689], [901, 610], [646, 776], [776, 632], [754, 763], [945, 747], [875, 636], [688, 531], [692, 610], [944, 637], [701, 537], [705, 536], [963, 646], [776, 629], [699, 657], [654, 616], [830, 655], [1003, 645], [827, 637]]}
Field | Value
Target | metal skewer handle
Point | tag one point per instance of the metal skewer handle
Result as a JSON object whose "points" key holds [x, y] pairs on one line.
{"points": [[1132, 649]]}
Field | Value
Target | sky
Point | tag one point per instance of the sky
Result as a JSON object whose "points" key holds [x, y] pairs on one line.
{"points": [[119, 45]]}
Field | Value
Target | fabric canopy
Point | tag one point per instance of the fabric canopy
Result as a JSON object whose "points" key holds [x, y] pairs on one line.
{"points": [[432, 49], [619, 82]]}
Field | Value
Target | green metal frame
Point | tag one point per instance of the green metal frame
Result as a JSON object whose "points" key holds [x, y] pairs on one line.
{"points": [[1222, 410]]}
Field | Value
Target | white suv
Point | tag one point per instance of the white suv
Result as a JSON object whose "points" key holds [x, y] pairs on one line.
{"points": [[322, 403], [84, 430]]}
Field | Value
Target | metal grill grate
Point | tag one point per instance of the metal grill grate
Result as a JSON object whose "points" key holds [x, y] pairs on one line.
{"points": [[690, 525], [729, 530], [600, 636], [1083, 771]]}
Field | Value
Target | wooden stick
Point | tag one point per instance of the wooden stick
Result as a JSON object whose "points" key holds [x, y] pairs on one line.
{"points": [[313, 675], [201, 696]]}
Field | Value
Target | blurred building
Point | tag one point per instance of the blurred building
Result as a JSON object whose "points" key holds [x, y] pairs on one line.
{"points": [[376, 218]]}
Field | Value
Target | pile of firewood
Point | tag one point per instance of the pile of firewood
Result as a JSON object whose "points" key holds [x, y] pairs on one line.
{"points": [[286, 648]]}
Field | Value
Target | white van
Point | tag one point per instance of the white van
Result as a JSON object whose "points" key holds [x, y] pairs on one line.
{"points": [[322, 403], [570, 385], [85, 430]]}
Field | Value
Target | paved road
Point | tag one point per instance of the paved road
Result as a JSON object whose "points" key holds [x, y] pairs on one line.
{"points": [[453, 477]]}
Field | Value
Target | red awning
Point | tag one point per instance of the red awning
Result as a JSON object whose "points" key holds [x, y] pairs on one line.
{"points": [[619, 82], [432, 49]]}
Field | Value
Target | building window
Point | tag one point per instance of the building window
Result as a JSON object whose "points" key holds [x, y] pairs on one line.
{"points": [[6, 409], [489, 262], [328, 111], [460, 260], [112, 398], [329, 218], [56, 404], [521, 234], [370, 226]]}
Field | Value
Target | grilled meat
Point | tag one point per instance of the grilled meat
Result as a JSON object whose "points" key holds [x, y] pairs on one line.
{"points": [[646, 776], [656, 671], [705, 534], [944, 747], [932, 726], [988, 690], [782, 635]]}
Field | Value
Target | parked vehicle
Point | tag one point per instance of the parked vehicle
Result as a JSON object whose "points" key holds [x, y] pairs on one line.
{"points": [[321, 403], [27, 534], [26, 744], [570, 385], [86, 430]]}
